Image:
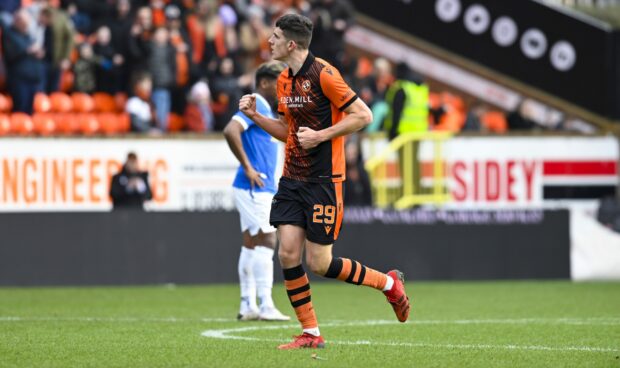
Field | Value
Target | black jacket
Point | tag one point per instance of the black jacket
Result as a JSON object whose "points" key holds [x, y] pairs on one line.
{"points": [[124, 198], [20, 65]]}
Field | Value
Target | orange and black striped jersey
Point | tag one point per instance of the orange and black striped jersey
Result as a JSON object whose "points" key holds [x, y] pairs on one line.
{"points": [[315, 97]]}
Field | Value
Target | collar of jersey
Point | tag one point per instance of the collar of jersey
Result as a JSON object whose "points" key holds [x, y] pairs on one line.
{"points": [[304, 68]]}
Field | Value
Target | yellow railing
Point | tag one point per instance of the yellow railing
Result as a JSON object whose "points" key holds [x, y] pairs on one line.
{"points": [[405, 190]]}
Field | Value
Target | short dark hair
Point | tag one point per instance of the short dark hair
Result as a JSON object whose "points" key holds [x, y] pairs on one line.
{"points": [[297, 28], [46, 12], [269, 70], [131, 156], [140, 76]]}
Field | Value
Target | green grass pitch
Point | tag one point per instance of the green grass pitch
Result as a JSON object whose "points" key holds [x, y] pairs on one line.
{"points": [[456, 324]]}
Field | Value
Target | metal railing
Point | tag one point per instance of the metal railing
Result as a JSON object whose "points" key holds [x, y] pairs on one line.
{"points": [[400, 186]]}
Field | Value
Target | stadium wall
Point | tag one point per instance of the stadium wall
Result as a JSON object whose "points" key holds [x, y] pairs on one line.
{"points": [[122, 248]]}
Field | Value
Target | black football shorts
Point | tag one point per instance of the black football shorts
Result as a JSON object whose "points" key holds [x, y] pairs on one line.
{"points": [[317, 207]]}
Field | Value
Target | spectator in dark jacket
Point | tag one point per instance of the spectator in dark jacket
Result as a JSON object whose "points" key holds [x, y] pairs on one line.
{"points": [[357, 189], [95, 10], [120, 27], [85, 69], [331, 20], [162, 67], [58, 34], [139, 40], [228, 89], [184, 68], [23, 60], [130, 188], [109, 69]]}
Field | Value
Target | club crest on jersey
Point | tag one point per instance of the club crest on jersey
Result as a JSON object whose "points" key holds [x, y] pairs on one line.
{"points": [[305, 86]]}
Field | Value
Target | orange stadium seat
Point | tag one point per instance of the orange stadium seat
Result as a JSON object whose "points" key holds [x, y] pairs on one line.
{"points": [[124, 123], [495, 121], [21, 123], [5, 124], [44, 123], [66, 81], [434, 100], [42, 103], [108, 122], [82, 102], [89, 125], [121, 101], [104, 102], [61, 102], [364, 67], [176, 123], [67, 123], [453, 101], [6, 103]]}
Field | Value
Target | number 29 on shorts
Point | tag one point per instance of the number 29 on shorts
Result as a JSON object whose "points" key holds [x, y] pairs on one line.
{"points": [[324, 214]]}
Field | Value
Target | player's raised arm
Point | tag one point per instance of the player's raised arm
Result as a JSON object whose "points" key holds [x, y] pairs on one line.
{"points": [[275, 127]]}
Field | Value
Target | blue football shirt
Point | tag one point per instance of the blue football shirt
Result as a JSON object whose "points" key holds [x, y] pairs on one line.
{"points": [[261, 148]]}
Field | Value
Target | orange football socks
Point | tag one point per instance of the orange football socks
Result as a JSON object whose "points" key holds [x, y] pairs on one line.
{"points": [[356, 273], [298, 290]]}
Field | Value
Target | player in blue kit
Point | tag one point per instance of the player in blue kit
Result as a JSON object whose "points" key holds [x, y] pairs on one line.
{"points": [[254, 187]]}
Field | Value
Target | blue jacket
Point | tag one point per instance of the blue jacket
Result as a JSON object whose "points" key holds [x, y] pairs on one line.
{"points": [[19, 64], [9, 6]]}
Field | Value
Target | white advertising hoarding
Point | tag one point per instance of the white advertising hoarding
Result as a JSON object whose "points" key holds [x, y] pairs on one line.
{"points": [[74, 174], [196, 174], [529, 171], [520, 172]]}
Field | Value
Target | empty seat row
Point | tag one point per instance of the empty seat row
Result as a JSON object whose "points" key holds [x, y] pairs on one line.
{"points": [[63, 123]]}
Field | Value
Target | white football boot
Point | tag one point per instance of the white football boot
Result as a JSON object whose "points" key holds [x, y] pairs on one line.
{"points": [[248, 315], [272, 314]]}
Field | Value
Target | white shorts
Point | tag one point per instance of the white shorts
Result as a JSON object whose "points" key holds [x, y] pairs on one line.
{"points": [[254, 208]]}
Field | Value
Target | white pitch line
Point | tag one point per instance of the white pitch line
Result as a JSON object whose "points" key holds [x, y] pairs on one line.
{"points": [[114, 319], [591, 321], [227, 334]]}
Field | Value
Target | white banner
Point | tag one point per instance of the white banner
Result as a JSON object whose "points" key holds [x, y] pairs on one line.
{"points": [[528, 171], [520, 172], [482, 172], [74, 174]]}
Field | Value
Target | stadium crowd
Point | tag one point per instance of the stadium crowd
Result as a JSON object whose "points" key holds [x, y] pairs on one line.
{"points": [[170, 65], [193, 59]]}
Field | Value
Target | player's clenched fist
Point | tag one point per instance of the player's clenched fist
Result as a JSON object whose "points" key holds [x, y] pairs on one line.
{"points": [[247, 105], [308, 138]]}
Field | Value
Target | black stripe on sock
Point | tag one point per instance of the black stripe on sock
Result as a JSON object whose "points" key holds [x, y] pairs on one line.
{"points": [[293, 273], [362, 275], [334, 268], [301, 302], [352, 274], [298, 290]]}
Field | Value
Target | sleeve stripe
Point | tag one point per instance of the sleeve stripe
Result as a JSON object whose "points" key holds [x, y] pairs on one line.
{"points": [[240, 120], [348, 103]]}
